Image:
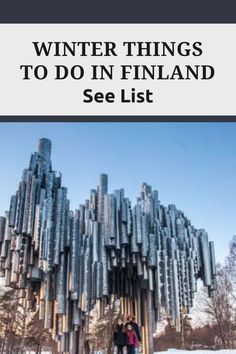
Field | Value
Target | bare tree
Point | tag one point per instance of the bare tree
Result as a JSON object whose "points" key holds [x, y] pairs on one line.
{"points": [[11, 321], [231, 262], [221, 309], [38, 338], [19, 328], [101, 329]]}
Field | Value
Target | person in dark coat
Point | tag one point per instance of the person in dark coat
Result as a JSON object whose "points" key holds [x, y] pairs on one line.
{"points": [[120, 336], [130, 320]]}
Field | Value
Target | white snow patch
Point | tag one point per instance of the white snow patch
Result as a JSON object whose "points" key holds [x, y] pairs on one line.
{"points": [[179, 351]]}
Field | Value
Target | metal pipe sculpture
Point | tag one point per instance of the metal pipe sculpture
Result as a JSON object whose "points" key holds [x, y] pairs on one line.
{"points": [[64, 262]]}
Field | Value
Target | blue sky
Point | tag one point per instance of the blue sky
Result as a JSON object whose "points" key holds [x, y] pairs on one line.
{"points": [[192, 165]]}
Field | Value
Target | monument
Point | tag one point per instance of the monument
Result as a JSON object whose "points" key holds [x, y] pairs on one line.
{"points": [[64, 262]]}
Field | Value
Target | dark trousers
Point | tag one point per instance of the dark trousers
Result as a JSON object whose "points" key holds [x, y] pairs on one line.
{"points": [[120, 349], [130, 349]]}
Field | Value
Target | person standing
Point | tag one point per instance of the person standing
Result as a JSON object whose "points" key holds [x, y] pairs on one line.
{"points": [[130, 320], [120, 336], [131, 339]]}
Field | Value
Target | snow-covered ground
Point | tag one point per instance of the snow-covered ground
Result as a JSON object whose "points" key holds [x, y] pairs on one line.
{"points": [[175, 351], [178, 351]]}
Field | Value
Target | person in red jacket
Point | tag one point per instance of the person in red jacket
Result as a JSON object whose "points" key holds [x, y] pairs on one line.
{"points": [[131, 340]]}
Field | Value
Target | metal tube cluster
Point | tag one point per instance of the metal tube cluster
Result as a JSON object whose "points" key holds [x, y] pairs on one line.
{"points": [[65, 262]]}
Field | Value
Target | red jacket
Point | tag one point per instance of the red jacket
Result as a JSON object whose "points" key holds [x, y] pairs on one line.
{"points": [[132, 338]]}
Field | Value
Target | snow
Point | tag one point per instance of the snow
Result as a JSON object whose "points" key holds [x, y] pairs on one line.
{"points": [[174, 351], [178, 351]]}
